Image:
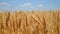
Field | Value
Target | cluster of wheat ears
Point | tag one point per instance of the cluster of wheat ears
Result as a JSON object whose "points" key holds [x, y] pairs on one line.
{"points": [[30, 22]]}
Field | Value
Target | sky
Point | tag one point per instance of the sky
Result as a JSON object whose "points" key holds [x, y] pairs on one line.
{"points": [[13, 5]]}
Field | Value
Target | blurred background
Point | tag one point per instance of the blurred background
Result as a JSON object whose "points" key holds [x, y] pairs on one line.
{"points": [[13, 5]]}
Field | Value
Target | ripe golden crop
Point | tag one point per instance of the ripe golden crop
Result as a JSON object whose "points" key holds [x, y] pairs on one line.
{"points": [[30, 22]]}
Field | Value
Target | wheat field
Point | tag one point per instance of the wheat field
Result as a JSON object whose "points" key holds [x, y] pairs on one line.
{"points": [[30, 22]]}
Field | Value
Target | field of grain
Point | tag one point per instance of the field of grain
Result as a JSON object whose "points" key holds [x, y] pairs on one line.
{"points": [[30, 22]]}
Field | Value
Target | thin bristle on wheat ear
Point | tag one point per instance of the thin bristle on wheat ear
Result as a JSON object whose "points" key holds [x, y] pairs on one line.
{"points": [[30, 22]]}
